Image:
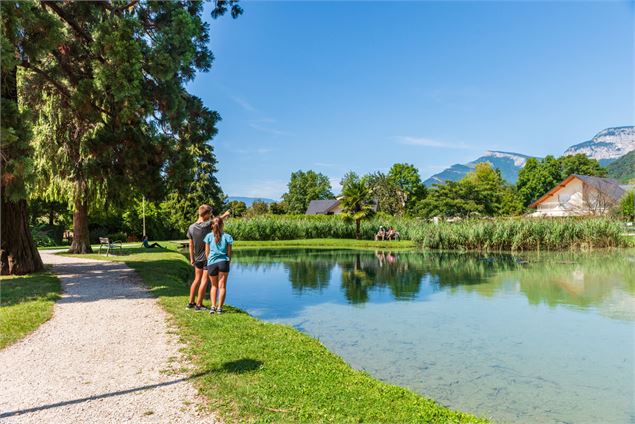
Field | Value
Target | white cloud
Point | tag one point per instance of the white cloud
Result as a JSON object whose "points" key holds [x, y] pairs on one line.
{"points": [[429, 142], [335, 184], [264, 125], [271, 189], [244, 104], [254, 151]]}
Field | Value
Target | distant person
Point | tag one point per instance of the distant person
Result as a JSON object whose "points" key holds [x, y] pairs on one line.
{"points": [[218, 248], [390, 235], [196, 234], [147, 244], [381, 234]]}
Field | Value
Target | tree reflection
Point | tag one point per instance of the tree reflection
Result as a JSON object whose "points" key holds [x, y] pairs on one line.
{"points": [[605, 280]]}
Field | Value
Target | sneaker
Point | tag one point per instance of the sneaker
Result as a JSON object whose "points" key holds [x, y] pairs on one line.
{"points": [[219, 310], [190, 305], [199, 308], [212, 310]]}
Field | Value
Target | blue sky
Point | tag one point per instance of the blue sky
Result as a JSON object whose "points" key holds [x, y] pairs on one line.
{"points": [[339, 86]]}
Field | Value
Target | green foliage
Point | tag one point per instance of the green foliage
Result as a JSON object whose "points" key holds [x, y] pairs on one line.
{"points": [[257, 208], [481, 192], [278, 208], [406, 177], [389, 197], [623, 169], [113, 115], [304, 187], [26, 32], [626, 207], [258, 371], [539, 176], [296, 227], [26, 303], [521, 234], [237, 208], [357, 204]]}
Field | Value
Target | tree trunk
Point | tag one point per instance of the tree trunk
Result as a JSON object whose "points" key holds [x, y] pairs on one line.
{"points": [[18, 254], [51, 214], [357, 225], [81, 237]]}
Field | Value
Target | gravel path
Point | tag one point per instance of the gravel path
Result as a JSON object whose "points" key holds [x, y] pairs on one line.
{"points": [[106, 356]]}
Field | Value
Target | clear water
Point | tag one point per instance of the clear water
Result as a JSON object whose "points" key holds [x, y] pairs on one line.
{"points": [[533, 338]]}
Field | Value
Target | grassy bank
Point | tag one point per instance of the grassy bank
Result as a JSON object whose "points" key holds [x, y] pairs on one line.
{"points": [[26, 302], [256, 371], [522, 234]]}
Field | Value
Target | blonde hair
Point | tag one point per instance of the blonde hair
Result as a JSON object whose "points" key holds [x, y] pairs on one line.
{"points": [[217, 228], [204, 210]]}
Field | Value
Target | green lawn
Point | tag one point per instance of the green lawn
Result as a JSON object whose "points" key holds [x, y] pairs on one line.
{"points": [[255, 371], [25, 303]]}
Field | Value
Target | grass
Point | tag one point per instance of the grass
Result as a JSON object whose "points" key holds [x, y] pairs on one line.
{"points": [[26, 302], [298, 227], [327, 244], [253, 371], [519, 234]]}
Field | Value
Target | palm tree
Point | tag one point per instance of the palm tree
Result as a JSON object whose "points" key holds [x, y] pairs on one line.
{"points": [[357, 204]]}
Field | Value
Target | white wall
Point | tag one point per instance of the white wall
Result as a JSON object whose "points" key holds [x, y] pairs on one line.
{"points": [[572, 200]]}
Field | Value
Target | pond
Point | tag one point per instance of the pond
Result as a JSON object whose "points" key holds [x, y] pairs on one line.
{"points": [[533, 338]]}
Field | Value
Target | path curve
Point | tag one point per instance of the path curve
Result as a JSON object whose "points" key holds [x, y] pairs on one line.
{"points": [[108, 355]]}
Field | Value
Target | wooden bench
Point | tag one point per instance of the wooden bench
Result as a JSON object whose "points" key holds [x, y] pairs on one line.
{"points": [[105, 243]]}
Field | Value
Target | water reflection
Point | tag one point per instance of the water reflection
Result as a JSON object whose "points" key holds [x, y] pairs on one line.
{"points": [[538, 337], [604, 280]]}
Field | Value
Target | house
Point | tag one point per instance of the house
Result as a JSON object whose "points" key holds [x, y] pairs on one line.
{"points": [[579, 195], [324, 207]]}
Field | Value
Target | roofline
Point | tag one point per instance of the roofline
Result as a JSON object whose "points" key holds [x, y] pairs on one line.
{"points": [[558, 186]]}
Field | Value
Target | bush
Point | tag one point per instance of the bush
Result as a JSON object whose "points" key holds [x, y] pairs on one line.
{"points": [[47, 235], [120, 236]]}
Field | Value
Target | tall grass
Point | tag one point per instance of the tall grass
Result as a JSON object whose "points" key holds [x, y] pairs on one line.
{"points": [[294, 227], [501, 234], [522, 234]]}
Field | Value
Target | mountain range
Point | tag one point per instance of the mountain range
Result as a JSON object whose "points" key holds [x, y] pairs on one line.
{"points": [[606, 146]]}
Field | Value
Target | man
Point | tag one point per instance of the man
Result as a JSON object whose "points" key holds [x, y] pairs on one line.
{"points": [[196, 233]]}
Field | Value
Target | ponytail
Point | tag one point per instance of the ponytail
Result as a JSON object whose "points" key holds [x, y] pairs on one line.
{"points": [[217, 228]]}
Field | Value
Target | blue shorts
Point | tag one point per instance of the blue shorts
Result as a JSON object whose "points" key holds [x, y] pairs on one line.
{"points": [[215, 268]]}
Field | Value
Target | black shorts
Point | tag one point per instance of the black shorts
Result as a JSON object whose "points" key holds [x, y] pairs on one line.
{"points": [[214, 269], [200, 264]]}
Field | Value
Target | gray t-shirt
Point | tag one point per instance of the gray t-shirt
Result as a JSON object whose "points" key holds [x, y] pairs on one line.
{"points": [[197, 233]]}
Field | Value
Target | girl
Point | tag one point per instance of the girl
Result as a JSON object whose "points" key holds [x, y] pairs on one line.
{"points": [[218, 249]]}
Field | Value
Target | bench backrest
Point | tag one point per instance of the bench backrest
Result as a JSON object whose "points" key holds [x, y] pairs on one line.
{"points": [[104, 240]]}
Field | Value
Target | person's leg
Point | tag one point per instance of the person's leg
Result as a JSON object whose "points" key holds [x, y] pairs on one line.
{"points": [[222, 283], [155, 245], [198, 273], [213, 291], [202, 287]]}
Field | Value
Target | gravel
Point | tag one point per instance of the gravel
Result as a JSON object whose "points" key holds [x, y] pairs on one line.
{"points": [[108, 355]]}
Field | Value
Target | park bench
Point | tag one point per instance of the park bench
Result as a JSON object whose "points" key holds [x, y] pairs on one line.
{"points": [[105, 243]]}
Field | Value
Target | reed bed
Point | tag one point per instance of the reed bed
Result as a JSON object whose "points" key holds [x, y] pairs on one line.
{"points": [[296, 227], [522, 234], [500, 234]]}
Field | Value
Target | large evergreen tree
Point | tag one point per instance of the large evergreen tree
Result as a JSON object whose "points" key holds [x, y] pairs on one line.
{"points": [[26, 33], [120, 118]]}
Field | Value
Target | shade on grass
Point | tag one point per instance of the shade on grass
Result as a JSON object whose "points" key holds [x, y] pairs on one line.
{"points": [[25, 303], [251, 370]]}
